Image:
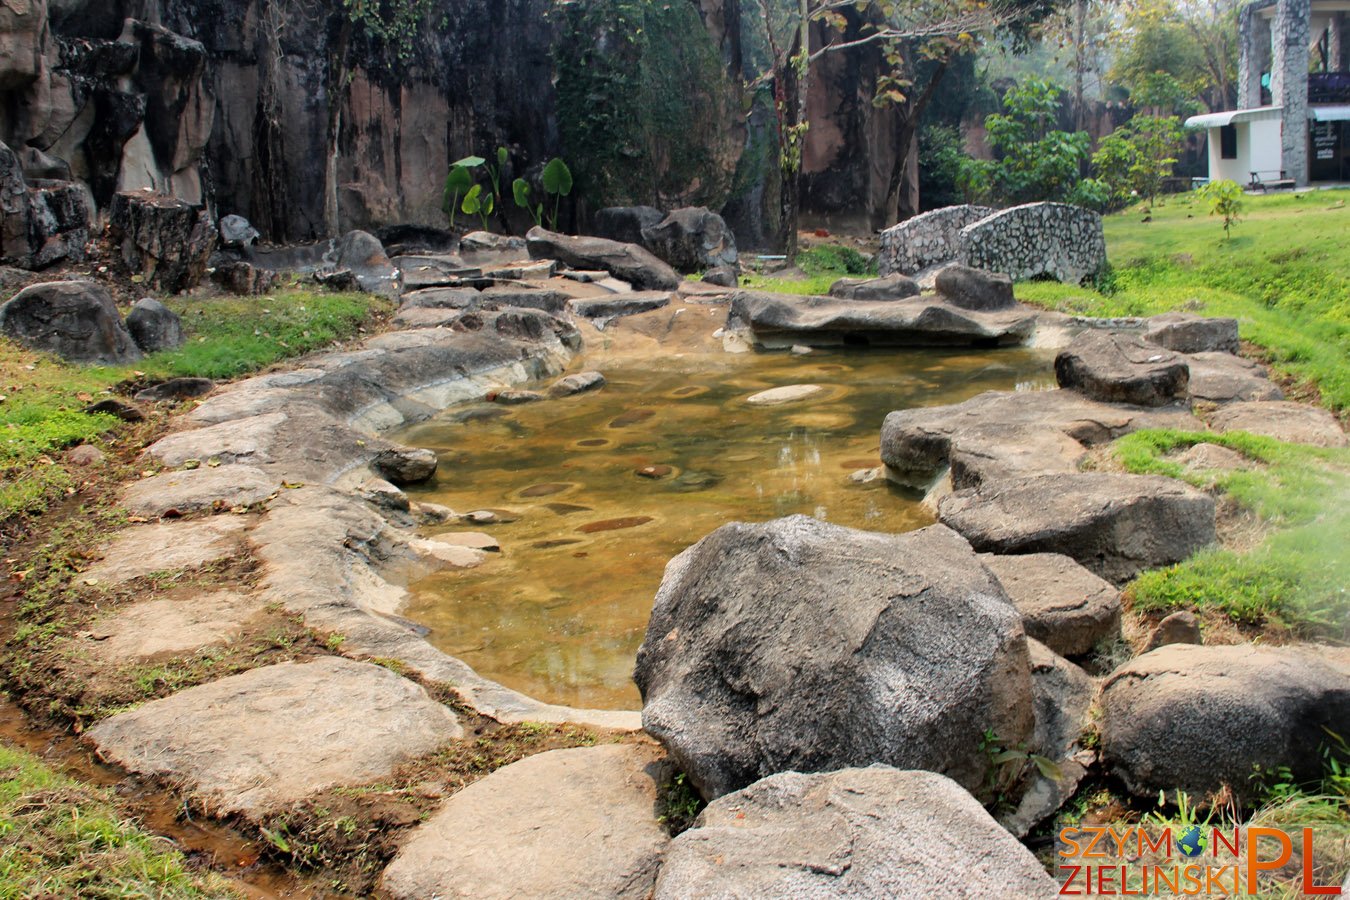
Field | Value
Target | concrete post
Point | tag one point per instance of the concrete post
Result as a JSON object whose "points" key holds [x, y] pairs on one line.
{"points": [[1289, 83], [1253, 53], [1336, 43]]}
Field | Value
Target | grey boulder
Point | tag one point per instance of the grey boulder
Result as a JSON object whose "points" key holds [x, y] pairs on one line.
{"points": [[975, 289], [800, 645], [1118, 368], [76, 320], [1063, 605], [692, 239], [888, 287], [625, 223], [154, 327], [1115, 525], [1187, 333], [363, 254], [405, 465], [873, 833], [1193, 718], [629, 262]]}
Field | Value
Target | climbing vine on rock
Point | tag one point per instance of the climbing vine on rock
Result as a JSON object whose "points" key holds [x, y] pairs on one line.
{"points": [[637, 78]]}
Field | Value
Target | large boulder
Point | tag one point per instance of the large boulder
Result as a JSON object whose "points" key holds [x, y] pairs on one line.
{"points": [[363, 254], [1063, 605], [887, 287], [1115, 525], [1186, 333], [626, 261], [154, 326], [873, 833], [1192, 718], [42, 222], [780, 321], [692, 239], [1119, 368], [625, 223], [166, 240], [567, 823], [975, 288], [800, 645], [1297, 423], [76, 320], [1002, 433]]}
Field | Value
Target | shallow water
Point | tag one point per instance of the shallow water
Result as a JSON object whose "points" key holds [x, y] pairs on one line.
{"points": [[559, 614]]}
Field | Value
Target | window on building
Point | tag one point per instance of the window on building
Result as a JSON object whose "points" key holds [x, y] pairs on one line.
{"points": [[1228, 142]]}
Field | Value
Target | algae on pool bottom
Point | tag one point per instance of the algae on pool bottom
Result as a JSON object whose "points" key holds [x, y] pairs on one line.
{"points": [[597, 492]]}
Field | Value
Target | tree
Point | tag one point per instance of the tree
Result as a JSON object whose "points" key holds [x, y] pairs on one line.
{"points": [[1139, 156], [1172, 55], [1033, 161], [910, 32]]}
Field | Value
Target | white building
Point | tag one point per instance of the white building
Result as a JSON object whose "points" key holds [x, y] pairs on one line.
{"points": [[1292, 124]]}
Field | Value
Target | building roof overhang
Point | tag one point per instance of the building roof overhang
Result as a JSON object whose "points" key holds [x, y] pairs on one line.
{"points": [[1234, 117]]}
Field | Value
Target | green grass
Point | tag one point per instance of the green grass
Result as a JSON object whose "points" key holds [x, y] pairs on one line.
{"points": [[1284, 275], [42, 400], [59, 838], [1299, 577], [822, 266]]}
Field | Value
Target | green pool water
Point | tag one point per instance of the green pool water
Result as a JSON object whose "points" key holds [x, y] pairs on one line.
{"points": [[560, 612]]}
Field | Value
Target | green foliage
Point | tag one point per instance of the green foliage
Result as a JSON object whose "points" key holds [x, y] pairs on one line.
{"points": [[680, 804], [1161, 62], [557, 181], [1032, 160], [1006, 767], [1297, 577], [941, 156], [480, 203], [643, 102], [391, 26], [520, 193], [835, 259], [59, 838], [457, 183], [1225, 199], [1135, 159]]}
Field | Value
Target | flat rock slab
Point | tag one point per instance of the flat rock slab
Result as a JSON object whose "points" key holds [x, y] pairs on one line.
{"points": [[1282, 420], [166, 546], [789, 394], [1187, 333], [195, 490], [1224, 378], [1115, 525], [864, 834], [777, 320], [238, 441], [888, 287], [1121, 368], [566, 823], [1031, 432], [255, 742], [1192, 718], [1063, 605], [603, 309], [172, 626]]}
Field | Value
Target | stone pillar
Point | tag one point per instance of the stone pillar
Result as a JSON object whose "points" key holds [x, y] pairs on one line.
{"points": [[1254, 54], [1336, 43], [1289, 83]]}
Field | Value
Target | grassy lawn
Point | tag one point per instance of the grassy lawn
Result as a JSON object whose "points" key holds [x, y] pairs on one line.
{"points": [[1299, 578], [42, 400], [1284, 275], [59, 838]]}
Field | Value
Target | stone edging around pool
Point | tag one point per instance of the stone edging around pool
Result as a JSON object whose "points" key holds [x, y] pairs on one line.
{"points": [[303, 441]]}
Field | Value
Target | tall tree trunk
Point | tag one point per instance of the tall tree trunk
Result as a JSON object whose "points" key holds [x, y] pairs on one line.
{"points": [[1079, 61], [337, 89], [906, 144], [792, 89]]}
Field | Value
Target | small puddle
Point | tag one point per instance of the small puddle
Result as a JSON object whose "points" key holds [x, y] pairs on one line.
{"points": [[667, 452]]}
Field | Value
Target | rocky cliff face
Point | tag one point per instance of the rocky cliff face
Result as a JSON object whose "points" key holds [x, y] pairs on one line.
{"points": [[257, 107]]}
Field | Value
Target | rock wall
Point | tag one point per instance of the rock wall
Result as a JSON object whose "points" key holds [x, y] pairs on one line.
{"points": [[927, 239], [232, 102], [1057, 240]]}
